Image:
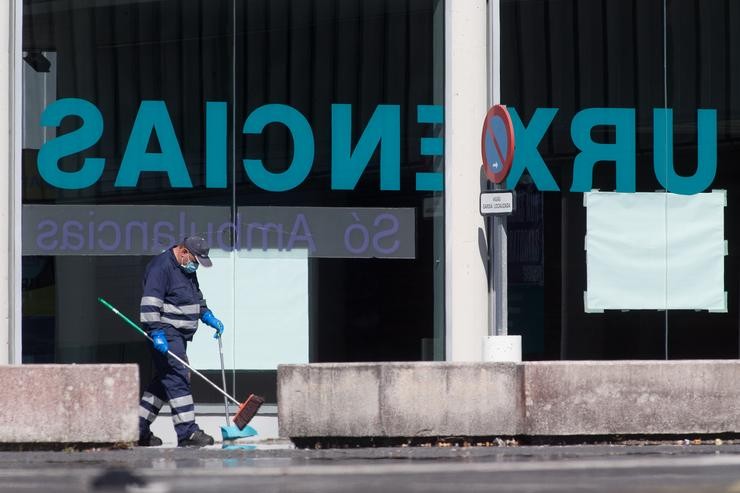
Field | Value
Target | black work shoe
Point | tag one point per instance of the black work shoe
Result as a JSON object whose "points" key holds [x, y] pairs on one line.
{"points": [[197, 439], [149, 440]]}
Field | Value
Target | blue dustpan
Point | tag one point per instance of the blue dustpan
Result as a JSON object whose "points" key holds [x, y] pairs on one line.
{"points": [[234, 433]]}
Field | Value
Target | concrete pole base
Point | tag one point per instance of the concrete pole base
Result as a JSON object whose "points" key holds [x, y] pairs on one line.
{"points": [[501, 349]]}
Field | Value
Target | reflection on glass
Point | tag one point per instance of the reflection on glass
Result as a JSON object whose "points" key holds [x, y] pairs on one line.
{"points": [[319, 273]]}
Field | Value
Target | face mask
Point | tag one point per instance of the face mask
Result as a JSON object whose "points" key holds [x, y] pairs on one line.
{"points": [[189, 267]]}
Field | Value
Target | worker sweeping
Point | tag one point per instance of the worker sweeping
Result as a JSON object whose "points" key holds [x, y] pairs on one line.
{"points": [[171, 306]]}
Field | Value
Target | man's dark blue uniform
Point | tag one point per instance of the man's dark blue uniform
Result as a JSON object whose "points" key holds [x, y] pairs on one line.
{"points": [[171, 305]]}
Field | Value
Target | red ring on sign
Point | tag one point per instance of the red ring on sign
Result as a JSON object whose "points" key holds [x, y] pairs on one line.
{"points": [[498, 111]]}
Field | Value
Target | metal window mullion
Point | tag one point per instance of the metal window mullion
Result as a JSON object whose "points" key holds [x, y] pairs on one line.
{"points": [[15, 274]]}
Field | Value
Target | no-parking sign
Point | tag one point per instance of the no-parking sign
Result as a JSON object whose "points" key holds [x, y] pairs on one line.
{"points": [[497, 143]]}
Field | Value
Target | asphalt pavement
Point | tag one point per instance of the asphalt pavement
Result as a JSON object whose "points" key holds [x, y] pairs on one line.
{"points": [[279, 467]]}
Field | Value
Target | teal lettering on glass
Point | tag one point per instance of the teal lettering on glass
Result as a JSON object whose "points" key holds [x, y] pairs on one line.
{"points": [[303, 147], [153, 118], [71, 143], [216, 142], [706, 166], [383, 130], [430, 146], [621, 152], [526, 155]]}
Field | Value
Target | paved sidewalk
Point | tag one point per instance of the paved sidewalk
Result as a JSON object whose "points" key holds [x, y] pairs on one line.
{"points": [[278, 467]]}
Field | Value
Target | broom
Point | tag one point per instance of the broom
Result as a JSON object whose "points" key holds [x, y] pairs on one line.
{"points": [[231, 432], [247, 409]]}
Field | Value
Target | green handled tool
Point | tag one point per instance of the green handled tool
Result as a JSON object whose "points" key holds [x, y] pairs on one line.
{"points": [[247, 409]]}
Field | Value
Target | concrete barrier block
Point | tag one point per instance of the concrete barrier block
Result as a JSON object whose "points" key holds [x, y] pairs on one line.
{"points": [[459, 399], [632, 397], [399, 399], [69, 403], [328, 400], [554, 398]]}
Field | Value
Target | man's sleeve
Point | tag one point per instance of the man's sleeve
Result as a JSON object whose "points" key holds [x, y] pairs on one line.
{"points": [[155, 286], [201, 299]]}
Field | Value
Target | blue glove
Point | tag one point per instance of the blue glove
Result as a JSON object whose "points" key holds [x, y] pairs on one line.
{"points": [[209, 318], [160, 341]]}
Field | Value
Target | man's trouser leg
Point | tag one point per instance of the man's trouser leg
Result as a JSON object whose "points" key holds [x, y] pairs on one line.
{"points": [[149, 406], [175, 380]]}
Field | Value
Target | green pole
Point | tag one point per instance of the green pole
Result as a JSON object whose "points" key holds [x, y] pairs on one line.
{"points": [[140, 330], [128, 320]]}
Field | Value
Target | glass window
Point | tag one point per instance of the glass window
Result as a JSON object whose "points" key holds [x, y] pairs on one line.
{"points": [[301, 137], [629, 67]]}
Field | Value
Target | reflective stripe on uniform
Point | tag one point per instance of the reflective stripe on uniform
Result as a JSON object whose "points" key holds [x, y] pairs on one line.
{"points": [[185, 400], [152, 399], [147, 414], [151, 317], [180, 324], [151, 301], [183, 417], [181, 310]]}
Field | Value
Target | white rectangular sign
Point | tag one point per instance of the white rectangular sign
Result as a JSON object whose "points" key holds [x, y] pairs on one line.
{"points": [[496, 203], [655, 251]]}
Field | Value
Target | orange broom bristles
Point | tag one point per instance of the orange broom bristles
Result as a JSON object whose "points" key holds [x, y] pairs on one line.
{"points": [[247, 411]]}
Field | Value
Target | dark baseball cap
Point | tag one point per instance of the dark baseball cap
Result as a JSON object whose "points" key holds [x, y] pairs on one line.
{"points": [[198, 246]]}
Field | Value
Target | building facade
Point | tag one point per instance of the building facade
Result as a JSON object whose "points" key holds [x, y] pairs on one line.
{"points": [[331, 152]]}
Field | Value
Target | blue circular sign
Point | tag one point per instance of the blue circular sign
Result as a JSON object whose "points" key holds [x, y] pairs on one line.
{"points": [[497, 143]]}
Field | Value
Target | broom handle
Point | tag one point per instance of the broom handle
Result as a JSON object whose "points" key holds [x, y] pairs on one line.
{"points": [[141, 331], [223, 378]]}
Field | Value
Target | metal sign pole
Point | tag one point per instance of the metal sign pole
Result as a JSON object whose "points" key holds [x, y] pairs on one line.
{"points": [[497, 243], [500, 271], [491, 282]]}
